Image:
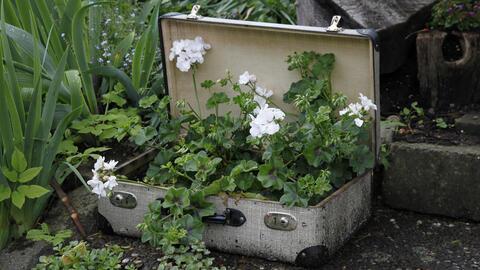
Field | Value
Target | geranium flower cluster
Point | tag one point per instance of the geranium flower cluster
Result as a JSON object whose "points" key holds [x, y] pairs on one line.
{"points": [[188, 52], [359, 109], [103, 179], [264, 119]]}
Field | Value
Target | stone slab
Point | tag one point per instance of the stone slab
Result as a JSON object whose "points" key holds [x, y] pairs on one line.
{"points": [[469, 123], [434, 179]]}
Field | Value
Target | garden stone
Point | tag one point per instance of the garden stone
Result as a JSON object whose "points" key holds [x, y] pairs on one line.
{"points": [[23, 254], [434, 179], [395, 21], [469, 123]]}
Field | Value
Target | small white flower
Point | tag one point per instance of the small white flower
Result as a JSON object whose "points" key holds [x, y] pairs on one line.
{"points": [[246, 78], [367, 103], [99, 164], [344, 111], [188, 52], [355, 109], [266, 121], [100, 190], [111, 182], [358, 122], [263, 92], [103, 43], [261, 101], [110, 166], [97, 185]]}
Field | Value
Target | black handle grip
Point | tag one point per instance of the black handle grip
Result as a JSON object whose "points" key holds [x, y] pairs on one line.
{"points": [[231, 217], [215, 219]]}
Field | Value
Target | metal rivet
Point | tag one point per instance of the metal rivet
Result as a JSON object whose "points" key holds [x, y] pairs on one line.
{"points": [[284, 221]]}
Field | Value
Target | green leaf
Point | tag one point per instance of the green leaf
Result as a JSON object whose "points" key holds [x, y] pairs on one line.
{"points": [[19, 163], [217, 99], [316, 154], [148, 101], [193, 226], [291, 197], [32, 191], [207, 84], [362, 159], [5, 192], [18, 199], [200, 206], [176, 199], [270, 177], [145, 134], [121, 77], [245, 181], [227, 184], [244, 166], [10, 174], [29, 174]]}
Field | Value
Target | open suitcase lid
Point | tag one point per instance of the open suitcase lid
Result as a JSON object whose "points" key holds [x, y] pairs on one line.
{"points": [[262, 49]]}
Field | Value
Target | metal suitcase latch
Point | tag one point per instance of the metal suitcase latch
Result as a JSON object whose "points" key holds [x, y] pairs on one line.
{"points": [[123, 200], [280, 221], [334, 24], [231, 217], [193, 13]]}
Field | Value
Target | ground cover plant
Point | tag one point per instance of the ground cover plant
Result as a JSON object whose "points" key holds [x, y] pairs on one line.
{"points": [[463, 15]]}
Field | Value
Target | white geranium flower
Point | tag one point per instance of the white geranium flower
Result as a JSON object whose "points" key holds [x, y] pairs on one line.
{"points": [[355, 109], [266, 121], [344, 111], [110, 166], [188, 52], [263, 92], [358, 122], [97, 185], [100, 190], [246, 78], [111, 182], [367, 103], [99, 164]]}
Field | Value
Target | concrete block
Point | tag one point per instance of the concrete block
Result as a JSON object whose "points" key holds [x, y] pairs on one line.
{"points": [[434, 179]]}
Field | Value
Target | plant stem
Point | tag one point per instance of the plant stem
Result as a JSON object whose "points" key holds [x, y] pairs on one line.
{"points": [[196, 91]]}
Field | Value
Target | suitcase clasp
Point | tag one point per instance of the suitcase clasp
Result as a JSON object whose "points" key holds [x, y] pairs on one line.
{"points": [[193, 13], [334, 24]]}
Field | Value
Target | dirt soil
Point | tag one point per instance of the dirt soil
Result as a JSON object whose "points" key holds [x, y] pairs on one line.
{"points": [[426, 131]]}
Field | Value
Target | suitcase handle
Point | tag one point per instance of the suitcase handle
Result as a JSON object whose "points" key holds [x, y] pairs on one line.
{"points": [[231, 217]]}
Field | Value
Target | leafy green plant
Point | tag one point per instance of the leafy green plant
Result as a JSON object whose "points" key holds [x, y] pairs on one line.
{"points": [[29, 140], [463, 15], [277, 11], [440, 123], [77, 255], [44, 234], [412, 115], [193, 256]]}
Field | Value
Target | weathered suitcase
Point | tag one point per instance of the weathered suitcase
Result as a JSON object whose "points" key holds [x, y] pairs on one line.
{"points": [[305, 236]]}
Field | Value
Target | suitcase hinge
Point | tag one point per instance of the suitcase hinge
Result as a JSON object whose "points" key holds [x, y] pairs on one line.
{"points": [[193, 14], [334, 24]]}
